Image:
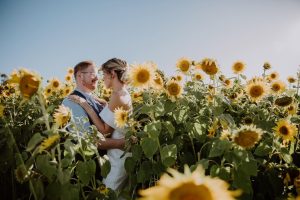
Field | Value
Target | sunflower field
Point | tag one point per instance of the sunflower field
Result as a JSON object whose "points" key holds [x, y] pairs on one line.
{"points": [[194, 135]]}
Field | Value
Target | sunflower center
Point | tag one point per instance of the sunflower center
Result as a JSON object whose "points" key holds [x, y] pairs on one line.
{"points": [[246, 139], [276, 87], [190, 191], [198, 77], [256, 91], [284, 130], [173, 89], [143, 76], [55, 84], [273, 76], [184, 65]]}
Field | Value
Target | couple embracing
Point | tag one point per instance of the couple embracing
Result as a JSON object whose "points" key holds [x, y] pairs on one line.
{"points": [[101, 114]]}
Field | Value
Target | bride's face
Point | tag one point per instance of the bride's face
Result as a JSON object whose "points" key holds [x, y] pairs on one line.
{"points": [[107, 78]]}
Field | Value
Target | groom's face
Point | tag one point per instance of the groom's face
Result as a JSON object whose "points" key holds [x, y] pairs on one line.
{"points": [[89, 78]]}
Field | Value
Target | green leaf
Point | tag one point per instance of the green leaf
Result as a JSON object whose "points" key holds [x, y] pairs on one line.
{"points": [[45, 167], [242, 181], [141, 176], [262, 149], [169, 106], [219, 147], [159, 109], [85, 171], [222, 172], [180, 115], [104, 165], [149, 147], [70, 192], [137, 152], [168, 155], [153, 129], [249, 167], [36, 139], [169, 126], [38, 188], [130, 164], [197, 132]]}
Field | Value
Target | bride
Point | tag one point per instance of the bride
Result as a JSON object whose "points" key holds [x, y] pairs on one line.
{"points": [[114, 72]]}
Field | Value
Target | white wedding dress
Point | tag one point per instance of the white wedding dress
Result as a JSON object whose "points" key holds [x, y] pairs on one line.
{"points": [[117, 175]]}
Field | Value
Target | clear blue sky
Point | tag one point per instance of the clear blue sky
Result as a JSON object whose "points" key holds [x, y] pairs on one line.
{"points": [[50, 36]]}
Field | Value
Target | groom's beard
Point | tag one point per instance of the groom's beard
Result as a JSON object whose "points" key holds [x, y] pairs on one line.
{"points": [[90, 84]]}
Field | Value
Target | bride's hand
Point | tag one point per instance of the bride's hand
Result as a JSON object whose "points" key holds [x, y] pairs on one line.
{"points": [[77, 99]]}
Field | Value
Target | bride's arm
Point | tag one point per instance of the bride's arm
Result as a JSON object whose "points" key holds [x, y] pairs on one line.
{"points": [[101, 126]]}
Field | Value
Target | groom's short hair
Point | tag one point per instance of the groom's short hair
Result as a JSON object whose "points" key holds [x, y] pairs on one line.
{"points": [[82, 66]]}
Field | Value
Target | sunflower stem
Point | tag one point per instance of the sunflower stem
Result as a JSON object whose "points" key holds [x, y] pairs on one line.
{"points": [[45, 114]]}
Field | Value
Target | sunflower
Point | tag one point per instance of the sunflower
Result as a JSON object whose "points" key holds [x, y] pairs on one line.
{"points": [[238, 67], [158, 82], [68, 77], [102, 189], [267, 66], [228, 83], [137, 97], [247, 136], [209, 66], [283, 101], [225, 134], [62, 115], [273, 76], [189, 185], [70, 71], [55, 84], [29, 83], [142, 76], [292, 109], [49, 142], [198, 76], [1, 110], [278, 86], [67, 90], [121, 117], [173, 89], [256, 89], [48, 91], [21, 173], [285, 129], [183, 64], [15, 77], [179, 77], [291, 79]]}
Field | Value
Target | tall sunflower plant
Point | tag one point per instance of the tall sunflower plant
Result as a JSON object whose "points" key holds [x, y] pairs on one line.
{"points": [[239, 130]]}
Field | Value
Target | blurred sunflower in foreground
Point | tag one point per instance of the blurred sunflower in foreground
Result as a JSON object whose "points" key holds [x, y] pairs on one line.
{"points": [[189, 185]]}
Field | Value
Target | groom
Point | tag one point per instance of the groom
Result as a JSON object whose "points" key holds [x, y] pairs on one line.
{"points": [[85, 74]]}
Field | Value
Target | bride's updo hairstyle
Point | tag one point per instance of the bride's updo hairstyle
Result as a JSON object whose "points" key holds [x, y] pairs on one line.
{"points": [[118, 66]]}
